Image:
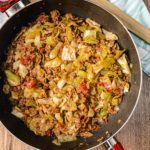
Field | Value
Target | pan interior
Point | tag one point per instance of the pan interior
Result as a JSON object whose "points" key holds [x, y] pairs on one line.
{"points": [[84, 10]]}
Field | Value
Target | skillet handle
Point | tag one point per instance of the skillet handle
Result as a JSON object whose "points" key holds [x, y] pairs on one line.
{"points": [[12, 5], [113, 144], [9, 7]]}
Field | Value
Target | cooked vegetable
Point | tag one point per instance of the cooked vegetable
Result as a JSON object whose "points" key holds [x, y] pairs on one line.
{"points": [[68, 53], [58, 117], [51, 40], [37, 41], [12, 78], [14, 95], [86, 134], [90, 37], [124, 64], [17, 112], [6, 88], [82, 74], [105, 64], [66, 138], [22, 71], [69, 34], [53, 63], [90, 112], [64, 75], [110, 35], [126, 87], [55, 51], [60, 84], [34, 93]]}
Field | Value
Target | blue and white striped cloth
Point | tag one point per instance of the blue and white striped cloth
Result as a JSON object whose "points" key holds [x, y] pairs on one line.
{"points": [[138, 10]]}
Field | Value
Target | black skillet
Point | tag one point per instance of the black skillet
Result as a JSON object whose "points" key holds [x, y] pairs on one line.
{"points": [[85, 10]]}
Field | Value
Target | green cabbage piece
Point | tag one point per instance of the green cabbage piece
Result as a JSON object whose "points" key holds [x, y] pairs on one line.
{"points": [[32, 33], [51, 40], [54, 52], [69, 33], [90, 112], [12, 78], [48, 24], [72, 105], [105, 51], [118, 53], [14, 95], [106, 96], [53, 63], [115, 101], [30, 103], [108, 73], [82, 74], [34, 93], [106, 63], [90, 73], [58, 117]]}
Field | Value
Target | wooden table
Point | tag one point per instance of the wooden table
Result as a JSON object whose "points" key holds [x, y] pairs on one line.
{"points": [[134, 136]]}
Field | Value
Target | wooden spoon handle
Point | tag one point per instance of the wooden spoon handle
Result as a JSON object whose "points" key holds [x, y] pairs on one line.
{"points": [[133, 25]]}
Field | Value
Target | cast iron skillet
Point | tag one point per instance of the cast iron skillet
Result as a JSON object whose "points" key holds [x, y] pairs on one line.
{"points": [[108, 21]]}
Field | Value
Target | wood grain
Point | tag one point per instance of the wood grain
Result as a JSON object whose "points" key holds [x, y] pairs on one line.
{"points": [[134, 136]]}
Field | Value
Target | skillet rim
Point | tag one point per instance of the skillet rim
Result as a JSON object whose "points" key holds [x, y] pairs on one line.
{"points": [[139, 61]]}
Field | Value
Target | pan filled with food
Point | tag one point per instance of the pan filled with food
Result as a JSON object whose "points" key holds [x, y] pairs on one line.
{"points": [[70, 75]]}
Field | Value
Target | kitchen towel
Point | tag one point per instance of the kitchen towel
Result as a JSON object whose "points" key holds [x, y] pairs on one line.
{"points": [[138, 10]]}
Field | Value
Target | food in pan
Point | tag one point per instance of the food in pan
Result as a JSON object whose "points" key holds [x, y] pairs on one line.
{"points": [[65, 75]]}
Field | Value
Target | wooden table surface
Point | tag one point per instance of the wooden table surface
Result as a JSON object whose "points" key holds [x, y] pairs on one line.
{"points": [[134, 136]]}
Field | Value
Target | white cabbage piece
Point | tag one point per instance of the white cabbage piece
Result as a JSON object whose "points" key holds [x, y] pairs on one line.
{"points": [[90, 36], [66, 138], [92, 23], [61, 83], [37, 41], [110, 35], [56, 100], [17, 113], [90, 33], [124, 64], [16, 65], [43, 101], [68, 53], [23, 71]]}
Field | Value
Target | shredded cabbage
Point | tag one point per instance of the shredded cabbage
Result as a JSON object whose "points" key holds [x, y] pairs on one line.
{"points": [[65, 76]]}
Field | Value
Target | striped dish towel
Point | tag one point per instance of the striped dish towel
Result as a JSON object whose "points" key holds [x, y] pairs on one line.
{"points": [[138, 10]]}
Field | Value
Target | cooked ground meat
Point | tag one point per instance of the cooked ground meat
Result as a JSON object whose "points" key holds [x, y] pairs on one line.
{"points": [[65, 75]]}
